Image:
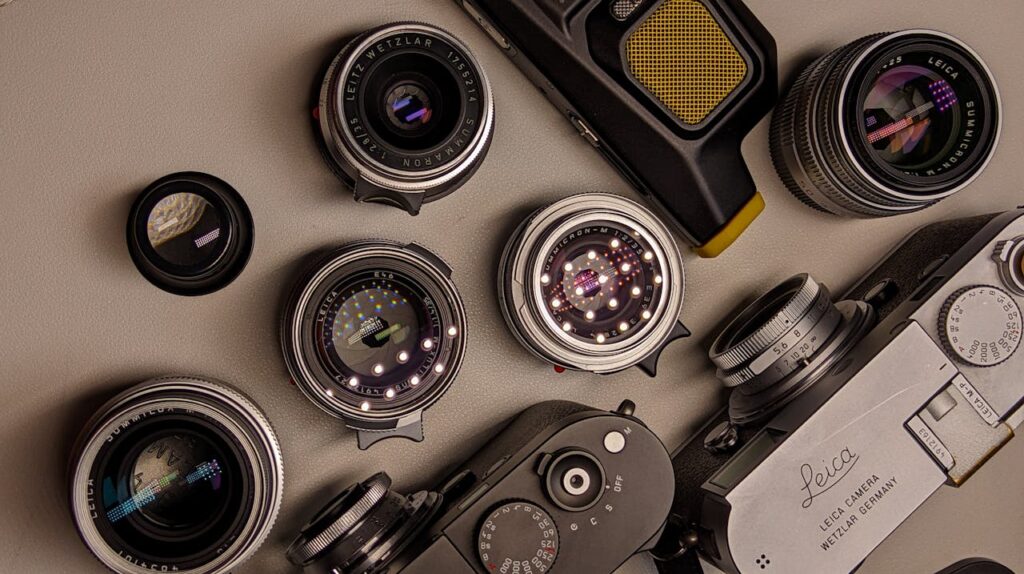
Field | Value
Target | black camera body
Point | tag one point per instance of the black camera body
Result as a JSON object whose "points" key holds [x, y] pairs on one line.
{"points": [[562, 485], [919, 396], [664, 89]]}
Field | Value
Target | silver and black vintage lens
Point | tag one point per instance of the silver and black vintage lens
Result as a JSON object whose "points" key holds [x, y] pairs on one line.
{"points": [[889, 124], [593, 282], [374, 333], [405, 114], [176, 474], [783, 343], [190, 233], [363, 528]]}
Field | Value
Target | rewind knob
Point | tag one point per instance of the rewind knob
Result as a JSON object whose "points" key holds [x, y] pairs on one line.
{"points": [[981, 325]]}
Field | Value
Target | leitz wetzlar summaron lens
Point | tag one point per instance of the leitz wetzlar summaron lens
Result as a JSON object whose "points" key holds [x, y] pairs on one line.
{"points": [[404, 114], [190, 233], [593, 282], [374, 333], [889, 124], [176, 474]]}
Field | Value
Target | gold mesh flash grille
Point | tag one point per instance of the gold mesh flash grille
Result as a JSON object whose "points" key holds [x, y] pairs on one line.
{"points": [[683, 57]]}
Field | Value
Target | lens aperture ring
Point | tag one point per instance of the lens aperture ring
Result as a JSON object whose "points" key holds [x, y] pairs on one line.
{"points": [[374, 490], [800, 293]]}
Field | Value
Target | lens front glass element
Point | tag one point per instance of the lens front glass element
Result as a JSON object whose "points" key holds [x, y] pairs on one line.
{"points": [[926, 114], [172, 489], [187, 231], [381, 333], [912, 116], [601, 283], [412, 101]]}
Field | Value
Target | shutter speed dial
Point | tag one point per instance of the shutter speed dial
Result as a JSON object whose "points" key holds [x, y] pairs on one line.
{"points": [[981, 326], [518, 536]]}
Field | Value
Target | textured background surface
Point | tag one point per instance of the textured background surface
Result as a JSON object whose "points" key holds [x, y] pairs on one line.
{"points": [[97, 99]]}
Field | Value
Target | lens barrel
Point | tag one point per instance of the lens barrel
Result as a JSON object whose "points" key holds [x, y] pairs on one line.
{"points": [[405, 114], [176, 474], [363, 528], [888, 124], [593, 282], [783, 343], [373, 332]]}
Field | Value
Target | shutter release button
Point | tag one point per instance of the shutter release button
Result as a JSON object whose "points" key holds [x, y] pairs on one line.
{"points": [[614, 442]]}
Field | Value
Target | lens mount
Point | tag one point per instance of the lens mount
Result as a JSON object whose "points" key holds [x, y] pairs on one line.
{"points": [[364, 527], [407, 108], [176, 473], [190, 233], [782, 343], [593, 282], [375, 331], [888, 124]]}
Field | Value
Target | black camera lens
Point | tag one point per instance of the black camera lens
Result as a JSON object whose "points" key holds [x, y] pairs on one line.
{"points": [[593, 282], [177, 473], [404, 114], [375, 331], [190, 233], [363, 528], [888, 124], [574, 480]]}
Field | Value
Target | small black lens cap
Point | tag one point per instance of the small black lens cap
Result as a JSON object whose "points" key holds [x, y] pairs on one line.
{"points": [[190, 233]]}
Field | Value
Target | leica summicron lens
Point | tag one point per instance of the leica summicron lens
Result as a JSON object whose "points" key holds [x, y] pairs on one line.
{"points": [[889, 124], [593, 282], [374, 332], [405, 114], [190, 233], [176, 474], [783, 343]]}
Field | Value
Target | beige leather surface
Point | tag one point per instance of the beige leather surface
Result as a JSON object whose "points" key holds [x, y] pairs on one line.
{"points": [[97, 99]]}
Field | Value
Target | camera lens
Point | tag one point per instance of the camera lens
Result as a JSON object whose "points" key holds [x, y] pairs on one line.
{"points": [[375, 331], [593, 282], [176, 474], [574, 480], [889, 124], [783, 343], [190, 233], [405, 114], [363, 528]]}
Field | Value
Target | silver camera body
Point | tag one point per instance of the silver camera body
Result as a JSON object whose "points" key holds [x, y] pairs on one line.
{"points": [[926, 390]]}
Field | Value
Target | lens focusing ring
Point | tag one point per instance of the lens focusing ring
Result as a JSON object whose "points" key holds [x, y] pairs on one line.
{"points": [[798, 296], [554, 228], [823, 163], [183, 398], [420, 172]]}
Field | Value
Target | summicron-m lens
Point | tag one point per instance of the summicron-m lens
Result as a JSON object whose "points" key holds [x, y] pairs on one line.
{"points": [[176, 474], [190, 233], [404, 115], [374, 333], [889, 124], [593, 282]]}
